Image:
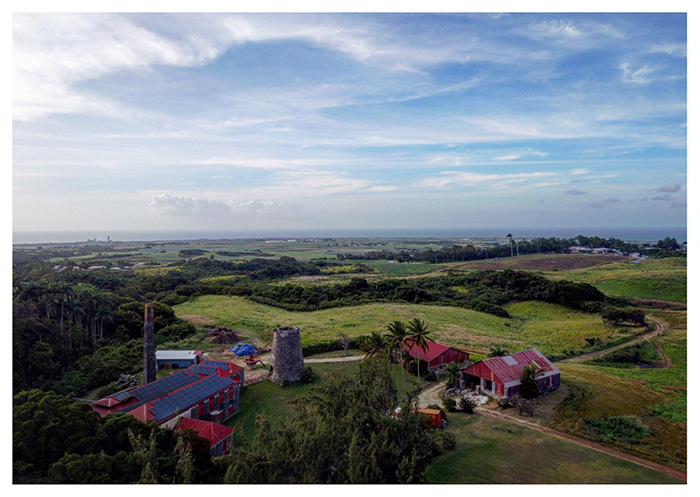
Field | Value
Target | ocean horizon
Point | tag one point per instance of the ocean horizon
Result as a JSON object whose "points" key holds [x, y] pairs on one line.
{"points": [[627, 234]]}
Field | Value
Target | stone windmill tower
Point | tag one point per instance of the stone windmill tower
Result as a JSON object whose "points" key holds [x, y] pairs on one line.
{"points": [[287, 359], [150, 368]]}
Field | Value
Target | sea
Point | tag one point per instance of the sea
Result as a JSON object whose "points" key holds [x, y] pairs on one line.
{"points": [[626, 233]]}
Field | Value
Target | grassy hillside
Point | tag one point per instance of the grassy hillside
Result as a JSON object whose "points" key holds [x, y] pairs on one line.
{"points": [[554, 329], [655, 397]]}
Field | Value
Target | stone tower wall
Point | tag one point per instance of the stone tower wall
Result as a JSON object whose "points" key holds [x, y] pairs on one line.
{"points": [[287, 359], [150, 367]]}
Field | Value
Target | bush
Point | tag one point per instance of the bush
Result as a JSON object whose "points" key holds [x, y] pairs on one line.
{"points": [[308, 375], [466, 404], [620, 428], [450, 404], [445, 440]]}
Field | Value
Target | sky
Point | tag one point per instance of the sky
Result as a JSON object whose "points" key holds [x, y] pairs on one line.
{"points": [[348, 121]]}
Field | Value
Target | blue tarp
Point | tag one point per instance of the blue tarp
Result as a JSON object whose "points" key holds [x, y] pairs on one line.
{"points": [[244, 349]]}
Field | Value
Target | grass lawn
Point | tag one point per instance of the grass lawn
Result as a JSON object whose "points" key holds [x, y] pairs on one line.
{"points": [[514, 454], [272, 400]]}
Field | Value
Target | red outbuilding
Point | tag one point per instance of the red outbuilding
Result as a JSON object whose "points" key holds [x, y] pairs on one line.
{"points": [[220, 437], [500, 376], [437, 354]]}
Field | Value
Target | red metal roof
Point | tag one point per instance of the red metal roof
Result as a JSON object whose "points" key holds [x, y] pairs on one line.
{"points": [[213, 432], [433, 350], [509, 368]]}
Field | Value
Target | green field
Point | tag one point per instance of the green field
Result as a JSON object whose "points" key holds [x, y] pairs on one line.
{"points": [[657, 279], [513, 454], [552, 328]]}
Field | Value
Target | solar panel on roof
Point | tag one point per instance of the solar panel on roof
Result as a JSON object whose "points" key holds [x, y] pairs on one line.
{"points": [[202, 369], [217, 364], [183, 399]]}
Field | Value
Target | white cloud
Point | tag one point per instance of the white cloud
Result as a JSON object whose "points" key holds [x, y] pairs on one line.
{"points": [[53, 53], [636, 74], [185, 206], [460, 178]]}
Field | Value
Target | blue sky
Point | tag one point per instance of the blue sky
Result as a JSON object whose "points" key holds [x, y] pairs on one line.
{"points": [[271, 121]]}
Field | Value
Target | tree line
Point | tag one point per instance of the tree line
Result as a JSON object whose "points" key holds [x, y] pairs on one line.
{"points": [[552, 245]]}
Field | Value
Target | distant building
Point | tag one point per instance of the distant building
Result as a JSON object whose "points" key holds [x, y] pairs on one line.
{"points": [[500, 376], [437, 354], [178, 358]]}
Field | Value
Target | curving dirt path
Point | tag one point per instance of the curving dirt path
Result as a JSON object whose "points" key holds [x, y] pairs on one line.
{"points": [[659, 328]]}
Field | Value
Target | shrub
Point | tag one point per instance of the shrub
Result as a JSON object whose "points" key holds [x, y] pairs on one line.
{"points": [[466, 404], [308, 375], [620, 428], [450, 404]]}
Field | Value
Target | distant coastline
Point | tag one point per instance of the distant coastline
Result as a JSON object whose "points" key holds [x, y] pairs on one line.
{"points": [[627, 234]]}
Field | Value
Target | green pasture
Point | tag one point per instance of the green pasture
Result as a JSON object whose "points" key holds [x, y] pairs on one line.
{"points": [[553, 329], [657, 279], [513, 454]]}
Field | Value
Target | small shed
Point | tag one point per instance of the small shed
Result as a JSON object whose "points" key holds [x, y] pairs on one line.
{"points": [[178, 358], [437, 354], [500, 376], [435, 416]]}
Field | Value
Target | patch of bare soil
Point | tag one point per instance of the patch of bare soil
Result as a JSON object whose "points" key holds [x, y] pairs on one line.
{"points": [[197, 319], [660, 304], [257, 372]]}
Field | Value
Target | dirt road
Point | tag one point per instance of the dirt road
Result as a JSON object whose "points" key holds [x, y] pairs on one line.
{"points": [[658, 329]]}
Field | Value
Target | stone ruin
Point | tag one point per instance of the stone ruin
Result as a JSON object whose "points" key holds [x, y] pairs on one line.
{"points": [[287, 359]]}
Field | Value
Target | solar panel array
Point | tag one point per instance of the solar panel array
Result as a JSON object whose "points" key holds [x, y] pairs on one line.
{"points": [[160, 388], [206, 370], [216, 364], [187, 397]]}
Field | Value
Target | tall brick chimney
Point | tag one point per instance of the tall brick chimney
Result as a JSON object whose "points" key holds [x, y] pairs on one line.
{"points": [[149, 346]]}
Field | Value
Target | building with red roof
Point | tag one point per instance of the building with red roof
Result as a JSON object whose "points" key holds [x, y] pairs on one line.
{"points": [[500, 376], [220, 437], [436, 354], [209, 391]]}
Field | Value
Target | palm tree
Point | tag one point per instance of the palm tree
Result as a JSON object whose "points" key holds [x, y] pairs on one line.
{"points": [[452, 371], [376, 344], [419, 335], [398, 335], [510, 240], [498, 350], [528, 381], [64, 292]]}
